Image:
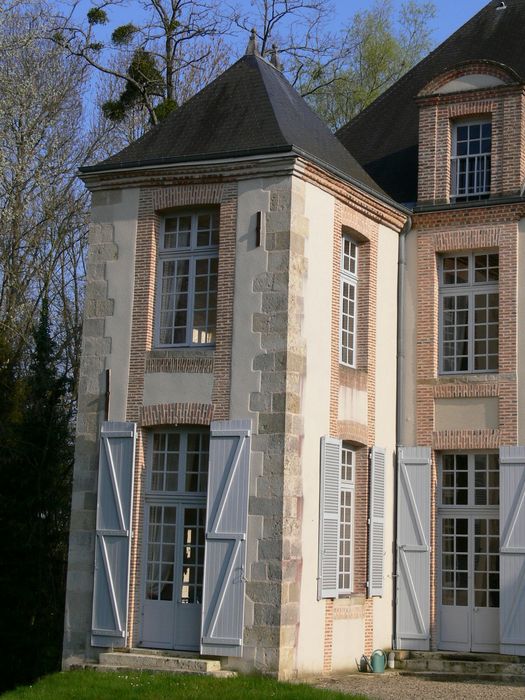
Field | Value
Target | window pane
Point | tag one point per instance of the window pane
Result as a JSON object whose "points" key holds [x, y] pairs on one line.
{"points": [[190, 590], [165, 462], [345, 539], [347, 463], [197, 456]]}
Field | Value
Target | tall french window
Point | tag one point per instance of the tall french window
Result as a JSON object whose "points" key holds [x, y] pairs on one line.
{"points": [[346, 519], [187, 279], [469, 310], [348, 301]]}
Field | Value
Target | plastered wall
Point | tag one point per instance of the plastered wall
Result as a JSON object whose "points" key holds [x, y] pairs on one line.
{"points": [[319, 210]]}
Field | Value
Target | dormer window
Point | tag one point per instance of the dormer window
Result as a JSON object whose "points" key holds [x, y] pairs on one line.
{"points": [[471, 161]]}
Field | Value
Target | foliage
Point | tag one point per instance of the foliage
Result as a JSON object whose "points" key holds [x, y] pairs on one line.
{"points": [[43, 232], [96, 15], [35, 470], [43, 209], [377, 52], [154, 59], [144, 79], [87, 685]]}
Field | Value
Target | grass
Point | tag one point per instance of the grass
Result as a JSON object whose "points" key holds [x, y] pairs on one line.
{"points": [[90, 685]]}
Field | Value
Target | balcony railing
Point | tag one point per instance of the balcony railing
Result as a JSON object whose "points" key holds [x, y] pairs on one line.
{"points": [[470, 177]]}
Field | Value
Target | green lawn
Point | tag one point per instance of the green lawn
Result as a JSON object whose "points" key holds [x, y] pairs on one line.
{"points": [[90, 685]]}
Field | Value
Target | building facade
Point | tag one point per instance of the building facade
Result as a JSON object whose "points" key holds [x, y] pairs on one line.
{"points": [[301, 400]]}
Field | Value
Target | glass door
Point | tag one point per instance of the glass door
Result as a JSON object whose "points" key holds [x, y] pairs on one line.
{"points": [[173, 554], [468, 579]]}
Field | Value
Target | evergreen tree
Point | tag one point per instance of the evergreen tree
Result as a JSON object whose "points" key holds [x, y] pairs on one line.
{"points": [[35, 482]]}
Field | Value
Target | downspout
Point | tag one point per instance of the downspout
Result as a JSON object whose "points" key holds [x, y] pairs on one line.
{"points": [[400, 397]]}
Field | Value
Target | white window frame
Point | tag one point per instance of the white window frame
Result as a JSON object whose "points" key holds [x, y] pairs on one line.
{"points": [[470, 289], [346, 487], [349, 268], [482, 164], [165, 498], [192, 253]]}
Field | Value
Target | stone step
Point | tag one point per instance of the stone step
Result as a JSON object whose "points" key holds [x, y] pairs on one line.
{"points": [[511, 679], [127, 669], [460, 666], [463, 656], [158, 662], [165, 652]]}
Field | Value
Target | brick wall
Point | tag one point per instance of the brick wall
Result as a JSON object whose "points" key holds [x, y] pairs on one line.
{"points": [[463, 230]]}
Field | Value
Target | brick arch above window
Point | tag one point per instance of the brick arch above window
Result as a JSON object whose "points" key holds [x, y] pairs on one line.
{"points": [[469, 239], [176, 414], [187, 196], [446, 82]]}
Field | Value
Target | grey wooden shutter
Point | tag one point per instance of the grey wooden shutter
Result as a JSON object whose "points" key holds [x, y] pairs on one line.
{"points": [[376, 532], [113, 534], [512, 552], [413, 548], [226, 525], [327, 582]]}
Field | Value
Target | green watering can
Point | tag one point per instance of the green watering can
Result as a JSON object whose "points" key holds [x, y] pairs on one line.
{"points": [[378, 661]]}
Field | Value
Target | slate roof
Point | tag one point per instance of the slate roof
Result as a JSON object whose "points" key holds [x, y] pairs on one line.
{"points": [[251, 109], [384, 136]]}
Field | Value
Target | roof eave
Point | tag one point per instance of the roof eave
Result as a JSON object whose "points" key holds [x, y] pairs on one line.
{"points": [[378, 194], [199, 157]]}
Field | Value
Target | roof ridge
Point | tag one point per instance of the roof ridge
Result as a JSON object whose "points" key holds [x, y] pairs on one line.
{"points": [[264, 62]]}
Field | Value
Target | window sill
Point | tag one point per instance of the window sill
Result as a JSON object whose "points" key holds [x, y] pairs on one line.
{"points": [[350, 600], [467, 377], [446, 205]]}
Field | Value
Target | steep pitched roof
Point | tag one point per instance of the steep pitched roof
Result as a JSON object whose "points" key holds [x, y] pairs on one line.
{"points": [[250, 109], [384, 136]]}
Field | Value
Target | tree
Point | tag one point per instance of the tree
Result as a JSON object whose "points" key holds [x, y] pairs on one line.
{"points": [[293, 23], [378, 51], [43, 207], [35, 473], [158, 57]]}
